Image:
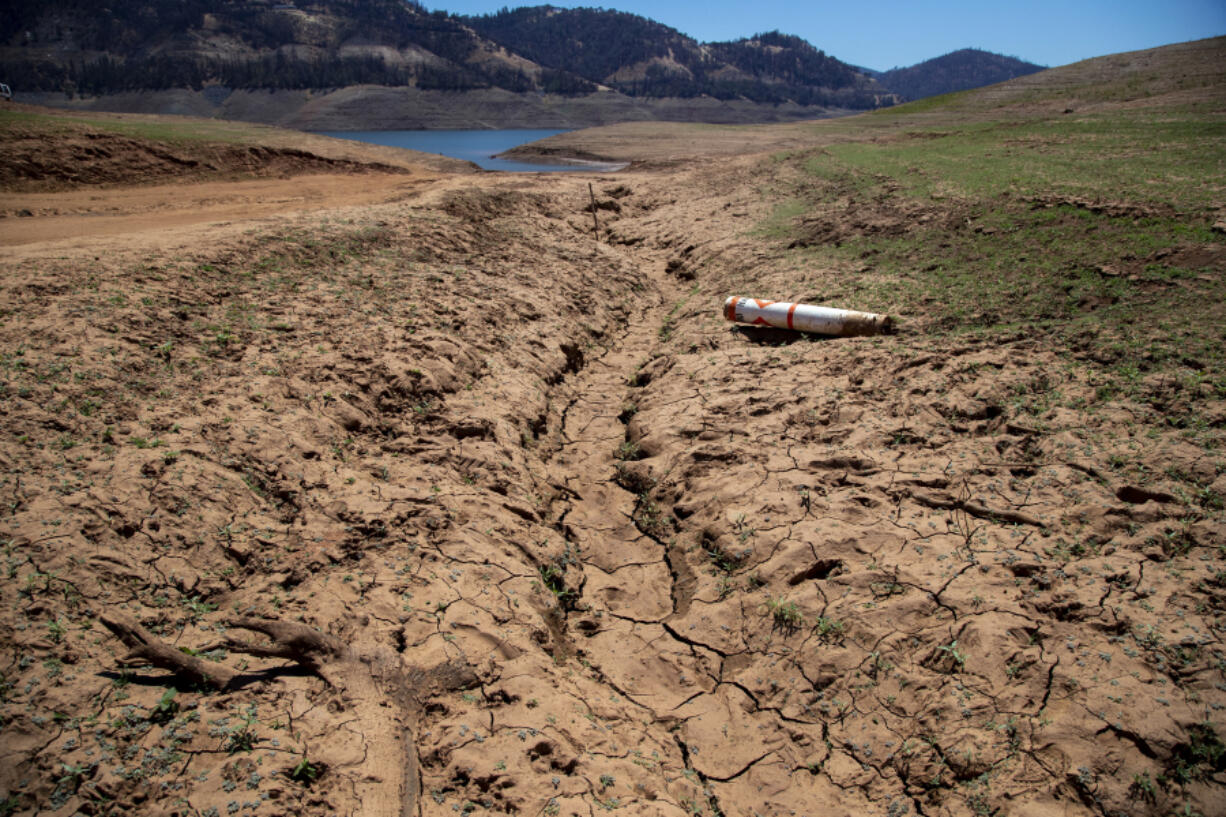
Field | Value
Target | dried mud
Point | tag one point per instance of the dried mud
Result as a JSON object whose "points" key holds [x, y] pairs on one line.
{"points": [[570, 542], [101, 158]]}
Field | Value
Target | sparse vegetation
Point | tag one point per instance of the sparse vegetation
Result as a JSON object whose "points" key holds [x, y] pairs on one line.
{"points": [[785, 614]]}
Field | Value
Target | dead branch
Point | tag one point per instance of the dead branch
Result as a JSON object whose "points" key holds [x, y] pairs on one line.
{"points": [[144, 647], [975, 509], [291, 641], [383, 692]]}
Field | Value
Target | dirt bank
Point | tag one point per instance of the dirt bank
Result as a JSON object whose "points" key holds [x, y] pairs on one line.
{"points": [[44, 150]]}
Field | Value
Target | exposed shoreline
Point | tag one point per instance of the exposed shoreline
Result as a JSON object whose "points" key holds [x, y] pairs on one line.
{"points": [[372, 107]]}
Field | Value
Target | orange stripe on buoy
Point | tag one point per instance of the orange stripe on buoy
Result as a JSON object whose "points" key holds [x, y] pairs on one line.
{"points": [[791, 310], [762, 304], [730, 309]]}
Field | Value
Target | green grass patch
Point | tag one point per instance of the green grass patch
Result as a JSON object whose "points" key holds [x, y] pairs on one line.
{"points": [[1143, 159], [1096, 231], [781, 222]]}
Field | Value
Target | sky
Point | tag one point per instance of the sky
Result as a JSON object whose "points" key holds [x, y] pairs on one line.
{"points": [[897, 33]]}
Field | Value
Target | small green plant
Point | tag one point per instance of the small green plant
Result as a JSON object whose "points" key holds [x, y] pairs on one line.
{"points": [[554, 578], [241, 736], [166, 708], [197, 608], [73, 774], [786, 614], [952, 650], [650, 519], [1210, 499], [879, 665], [1201, 757], [724, 561], [56, 630], [830, 628], [628, 451], [305, 772], [1142, 788]]}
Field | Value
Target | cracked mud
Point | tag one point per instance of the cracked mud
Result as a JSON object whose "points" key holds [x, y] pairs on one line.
{"points": [[561, 541]]}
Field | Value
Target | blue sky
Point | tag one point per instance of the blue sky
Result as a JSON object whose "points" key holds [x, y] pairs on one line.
{"points": [[892, 33]]}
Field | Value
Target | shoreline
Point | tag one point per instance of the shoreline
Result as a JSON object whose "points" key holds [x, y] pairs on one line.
{"points": [[377, 107]]}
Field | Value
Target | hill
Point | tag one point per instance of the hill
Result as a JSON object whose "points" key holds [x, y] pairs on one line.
{"points": [[1179, 76], [336, 64], [956, 71], [1184, 77], [186, 57], [641, 57], [252, 44]]}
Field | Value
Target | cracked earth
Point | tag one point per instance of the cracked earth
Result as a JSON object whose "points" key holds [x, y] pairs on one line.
{"points": [[571, 542]]}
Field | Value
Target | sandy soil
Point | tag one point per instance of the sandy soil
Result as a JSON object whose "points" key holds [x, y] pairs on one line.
{"points": [[528, 529], [80, 219]]}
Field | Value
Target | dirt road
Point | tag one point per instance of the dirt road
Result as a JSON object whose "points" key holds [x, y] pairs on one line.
{"points": [[83, 216]]}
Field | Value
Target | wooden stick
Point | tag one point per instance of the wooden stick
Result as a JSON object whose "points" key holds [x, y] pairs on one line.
{"points": [[383, 694], [144, 646], [975, 509], [595, 223]]}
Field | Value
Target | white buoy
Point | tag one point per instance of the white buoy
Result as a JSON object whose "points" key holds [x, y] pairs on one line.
{"points": [[823, 320]]}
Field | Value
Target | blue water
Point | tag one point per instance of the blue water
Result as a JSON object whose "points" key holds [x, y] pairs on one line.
{"points": [[477, 146]]}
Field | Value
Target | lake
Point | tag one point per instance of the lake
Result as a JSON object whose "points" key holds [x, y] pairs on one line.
{"points": [[477, 146]]}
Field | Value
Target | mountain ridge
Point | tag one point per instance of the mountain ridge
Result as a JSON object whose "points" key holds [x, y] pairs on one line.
{"points": [[202, 50]]}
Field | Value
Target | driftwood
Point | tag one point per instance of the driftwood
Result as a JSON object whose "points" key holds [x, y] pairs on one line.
{"points": [[294, 642], [382, 692], [144, 647], [595, 222], [975, 509]]}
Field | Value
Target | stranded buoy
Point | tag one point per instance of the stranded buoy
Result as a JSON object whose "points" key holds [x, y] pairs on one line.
{"points": [[823, 320]]}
